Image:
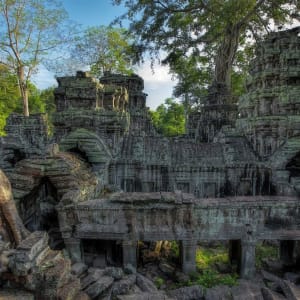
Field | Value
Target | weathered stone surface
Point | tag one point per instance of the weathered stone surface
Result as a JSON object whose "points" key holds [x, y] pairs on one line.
{"points": [[145, 296], [271, 295], [246, 290], [114, 272], [145, 284], [290, 290], [69, 290], [78, 269], [220, 292], [13, 294], [124, 285], [100, 286], [292, 277], [27, 253], [228, 178], [93, 275], [166, 268], [195, 292]]}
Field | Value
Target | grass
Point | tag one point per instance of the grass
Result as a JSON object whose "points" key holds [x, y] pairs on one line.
{"points": [[210, 277], [265, 251], [209, 257]]}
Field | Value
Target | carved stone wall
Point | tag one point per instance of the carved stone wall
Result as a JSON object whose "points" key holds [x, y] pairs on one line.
{"points": [[269, 111]]}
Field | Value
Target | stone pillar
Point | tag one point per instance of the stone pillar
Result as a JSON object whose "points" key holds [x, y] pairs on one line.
{"points": [[287, 251], [188, 256], [129, 253], [73, 247], [235, 252], [247, 263]]}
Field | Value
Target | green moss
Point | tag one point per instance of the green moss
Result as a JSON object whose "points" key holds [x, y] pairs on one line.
{"points": [[210, 278], [159, 282], [175, 251], [208, 257], [263, 251]]}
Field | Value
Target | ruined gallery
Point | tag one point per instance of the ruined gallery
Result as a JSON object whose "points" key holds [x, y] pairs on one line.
{"points": [[84, 198]]}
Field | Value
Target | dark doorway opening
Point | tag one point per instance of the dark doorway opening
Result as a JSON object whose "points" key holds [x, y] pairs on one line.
{"points": [[38, 212], [102, 253]]}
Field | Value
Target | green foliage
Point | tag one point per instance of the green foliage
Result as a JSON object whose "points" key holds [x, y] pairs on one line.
{"points": [[159, 282], [169, 118], [102, 49], [10, 99], [265, 251], [208, 257], [29, 31], [175, 251], [9, 95], [204, 41], [210, 278]]}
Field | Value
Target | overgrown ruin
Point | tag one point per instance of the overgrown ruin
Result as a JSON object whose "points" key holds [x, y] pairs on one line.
{"points": [[106, 179]]}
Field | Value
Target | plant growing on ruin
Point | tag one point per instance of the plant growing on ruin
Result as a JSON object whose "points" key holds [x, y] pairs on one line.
{"points": [[100, 49], [30, 30], [265, 251], [39, 101], [208, 32]]}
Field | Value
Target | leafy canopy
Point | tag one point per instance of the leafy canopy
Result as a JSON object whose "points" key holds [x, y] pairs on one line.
{"points": [[101, 49], [203, 40], [10, 98], [169, 118], [30, 30]]}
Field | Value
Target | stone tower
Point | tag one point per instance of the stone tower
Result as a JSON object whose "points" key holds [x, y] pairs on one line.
{"points": [[269, 111]]}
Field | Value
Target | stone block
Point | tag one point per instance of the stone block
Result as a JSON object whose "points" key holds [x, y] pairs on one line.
{"points": [[195, 292], [99, 287], [145, 284], [124, 285]]}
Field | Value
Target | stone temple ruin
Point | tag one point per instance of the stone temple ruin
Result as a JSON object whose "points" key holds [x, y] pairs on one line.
{"points": [[106, 179]]}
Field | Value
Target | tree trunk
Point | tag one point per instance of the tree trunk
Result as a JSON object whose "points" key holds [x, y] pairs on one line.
{"points": [[226, 55], [23, 90], [9, 212]]}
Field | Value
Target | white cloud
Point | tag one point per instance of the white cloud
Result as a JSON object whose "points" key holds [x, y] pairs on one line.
{"points": [[158, 83], [44, 78]]}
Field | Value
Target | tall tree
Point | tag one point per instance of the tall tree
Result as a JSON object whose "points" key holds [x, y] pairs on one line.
{"points": [[9, 95], [169, 118], [101, 49], [214, 27], [29, 30]]}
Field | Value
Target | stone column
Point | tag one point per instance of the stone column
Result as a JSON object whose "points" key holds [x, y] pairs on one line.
{"points": [[287, 251], [247, 263], [73, 246], [188, 256], [129, 253]]}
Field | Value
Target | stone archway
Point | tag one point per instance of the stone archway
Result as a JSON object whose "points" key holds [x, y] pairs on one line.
{"points": [[40, 184], [88, 146], [88, 142], [285, 153]]}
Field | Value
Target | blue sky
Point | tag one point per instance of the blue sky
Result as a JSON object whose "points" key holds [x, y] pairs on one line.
{"points": [[158, 86], [92, 12]]}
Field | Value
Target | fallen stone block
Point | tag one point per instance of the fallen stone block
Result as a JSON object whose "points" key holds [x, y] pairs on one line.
{"points": [[93, 276], [124, 285], [116, 273], [221, 292], [78, 269], [145, 284], [291, 291], [188, 293], [99, 287]]}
